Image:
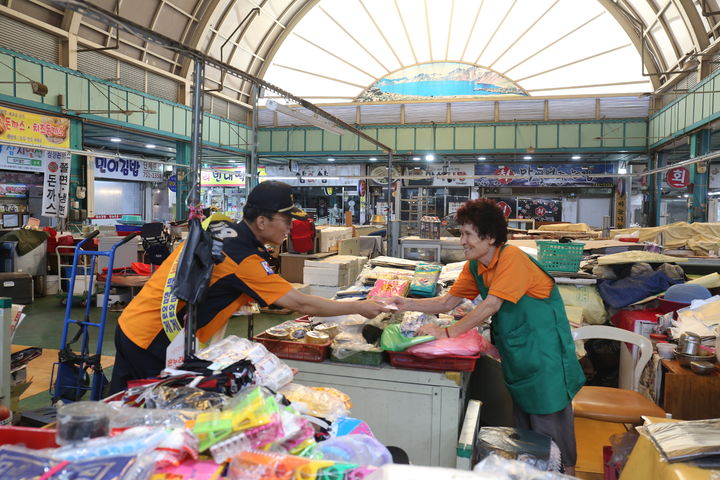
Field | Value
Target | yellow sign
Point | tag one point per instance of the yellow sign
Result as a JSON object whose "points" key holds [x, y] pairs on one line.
{"points": [[226, 176], [33, 129]]}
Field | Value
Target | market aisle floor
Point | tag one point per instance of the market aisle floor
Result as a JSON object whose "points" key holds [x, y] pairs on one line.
{"points": [[43, 327]]}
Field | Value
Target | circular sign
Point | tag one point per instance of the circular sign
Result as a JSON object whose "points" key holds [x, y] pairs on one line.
{"points": [[52, 167], [172, 183], [540, 211], [678, 177], [506, 209], [504, 171]]}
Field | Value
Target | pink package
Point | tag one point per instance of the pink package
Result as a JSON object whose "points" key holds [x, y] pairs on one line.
{"points": [[468, 344]]}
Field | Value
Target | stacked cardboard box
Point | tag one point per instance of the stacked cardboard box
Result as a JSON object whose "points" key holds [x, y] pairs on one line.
{"points": [[330, 236], [335, 271]]}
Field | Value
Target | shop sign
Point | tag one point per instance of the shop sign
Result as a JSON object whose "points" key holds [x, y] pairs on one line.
{"points": [[678, 177], [541, 209], [223, 177], [33, 129], [586, 175], [127, 169], [172, 183], [56, 187], [457, 175], [26, 159], [320, 175], [508, 206]]}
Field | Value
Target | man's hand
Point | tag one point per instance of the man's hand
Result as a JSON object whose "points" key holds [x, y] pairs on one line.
{"points": [[371, 308]]}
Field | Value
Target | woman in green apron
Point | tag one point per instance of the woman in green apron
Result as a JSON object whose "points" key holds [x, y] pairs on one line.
{"points": [[529, 325]]}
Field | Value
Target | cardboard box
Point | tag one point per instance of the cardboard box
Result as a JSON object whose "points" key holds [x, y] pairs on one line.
{"points": [[325, 292], [323, 277], [292, 265], [330, 236], [349, 246], [335, 271]]}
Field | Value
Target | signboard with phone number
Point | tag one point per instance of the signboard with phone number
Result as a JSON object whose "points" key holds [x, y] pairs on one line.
{"points": [[127, 169]]}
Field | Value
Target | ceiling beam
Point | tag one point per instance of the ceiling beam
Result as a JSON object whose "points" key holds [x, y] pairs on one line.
{"points": [[630, 29]]}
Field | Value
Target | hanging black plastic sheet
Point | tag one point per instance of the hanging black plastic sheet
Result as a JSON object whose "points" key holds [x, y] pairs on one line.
{"points": [[195, 265]]}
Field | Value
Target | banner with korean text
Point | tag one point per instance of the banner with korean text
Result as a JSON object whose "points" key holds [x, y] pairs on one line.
{"points": [[33, 129], [127, 169], [56, 186]]}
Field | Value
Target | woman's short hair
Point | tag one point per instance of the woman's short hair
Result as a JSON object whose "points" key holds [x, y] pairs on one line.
{"points": [[486, 217]]}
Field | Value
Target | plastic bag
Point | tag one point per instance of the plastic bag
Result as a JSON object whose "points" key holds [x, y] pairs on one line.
{"points": [[393, 340], [468, 344], [358, 449], [195, 265], [317, 403], [587, 297], [496, 467]]}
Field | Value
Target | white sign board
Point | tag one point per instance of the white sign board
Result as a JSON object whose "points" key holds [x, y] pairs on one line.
{"points": [[26, 159], [456, 175], [56, 186], [335, 175], [126, 169]]}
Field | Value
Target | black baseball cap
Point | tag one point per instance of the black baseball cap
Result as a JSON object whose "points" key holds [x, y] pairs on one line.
{"points": [[275, 196]]}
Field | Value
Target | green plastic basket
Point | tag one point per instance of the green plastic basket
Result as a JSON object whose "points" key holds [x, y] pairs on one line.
{"points": [[560, 257]]}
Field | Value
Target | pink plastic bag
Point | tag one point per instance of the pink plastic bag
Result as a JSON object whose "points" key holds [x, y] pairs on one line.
{"points": [[468, 344]]}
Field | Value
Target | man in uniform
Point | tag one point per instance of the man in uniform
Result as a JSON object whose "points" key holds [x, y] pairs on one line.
{"points": [[243, 276]]}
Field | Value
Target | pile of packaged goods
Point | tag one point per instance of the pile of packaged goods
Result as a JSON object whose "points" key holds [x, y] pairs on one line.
{"points": [[233, 414]]}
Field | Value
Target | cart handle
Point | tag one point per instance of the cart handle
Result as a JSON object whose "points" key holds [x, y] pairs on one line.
{"points": [[127, 239], [88, 237]]}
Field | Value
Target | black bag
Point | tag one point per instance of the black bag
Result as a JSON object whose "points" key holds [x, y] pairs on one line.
{"points": [[195, 265]]}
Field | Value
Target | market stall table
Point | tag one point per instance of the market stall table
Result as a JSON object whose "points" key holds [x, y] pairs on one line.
{"points": [[417, 410], [645, 462]]}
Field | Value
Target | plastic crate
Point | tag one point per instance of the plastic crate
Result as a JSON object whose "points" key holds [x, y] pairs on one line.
{"points": [[35, 438], [292, 350], [125, 230], [560, 257], [372, 359], [446, 363]]}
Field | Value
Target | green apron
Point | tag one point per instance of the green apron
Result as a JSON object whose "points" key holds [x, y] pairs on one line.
{"points": [[538, 354]]}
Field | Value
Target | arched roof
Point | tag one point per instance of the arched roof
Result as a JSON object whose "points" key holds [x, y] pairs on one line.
{"points": [[332, 50]]}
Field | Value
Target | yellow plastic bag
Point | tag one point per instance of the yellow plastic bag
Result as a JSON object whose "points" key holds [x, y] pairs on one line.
{"points": [[587, 297]]}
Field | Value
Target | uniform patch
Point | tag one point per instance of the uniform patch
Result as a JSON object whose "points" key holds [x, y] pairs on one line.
{"points": [[267, 268]]}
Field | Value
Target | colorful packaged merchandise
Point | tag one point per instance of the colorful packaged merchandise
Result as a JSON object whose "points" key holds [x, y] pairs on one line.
{"points": [[389, 288], [424, 281]]}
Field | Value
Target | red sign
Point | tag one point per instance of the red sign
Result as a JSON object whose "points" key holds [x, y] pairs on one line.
{"points": [[540, 211], [506, 209], [505, 171], [678, 177]]}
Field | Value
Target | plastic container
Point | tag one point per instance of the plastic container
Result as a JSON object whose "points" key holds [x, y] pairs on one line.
{"points": [[666, 350], [35, 438], [372, 359], [125, 230], [446, 363], [560, 257], [81, 421], [295, 350]]}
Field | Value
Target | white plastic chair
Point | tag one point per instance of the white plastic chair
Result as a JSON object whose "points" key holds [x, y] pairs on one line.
{"points": [[618, 405]]}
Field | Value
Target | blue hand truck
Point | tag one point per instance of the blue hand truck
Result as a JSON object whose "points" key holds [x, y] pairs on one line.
{"points": [[70, 379]]}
